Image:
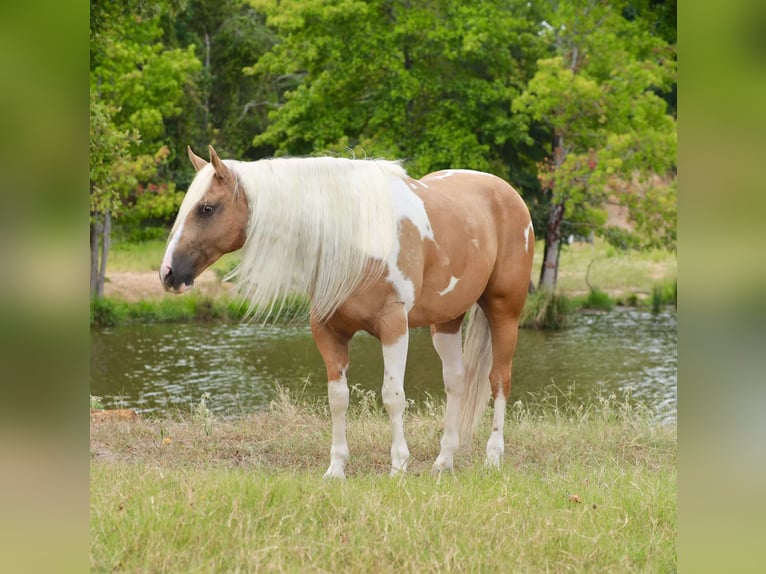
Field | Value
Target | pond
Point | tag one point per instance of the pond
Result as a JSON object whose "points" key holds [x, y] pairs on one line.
{"points": [[160, 366]]}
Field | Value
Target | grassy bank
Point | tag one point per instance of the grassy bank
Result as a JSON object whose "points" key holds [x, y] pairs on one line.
{"points": [[622, 274], [191, 307], [587, 489], [592, 276]]}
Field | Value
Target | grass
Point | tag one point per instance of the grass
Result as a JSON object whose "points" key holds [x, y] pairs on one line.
{"points": [[598, 300], [192, 307], [616, 277], [582, 488], [545, 310], [108, 312], [147, 255], [621, 274]]}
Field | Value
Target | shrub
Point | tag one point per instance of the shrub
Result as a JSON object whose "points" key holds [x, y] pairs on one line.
{"points": [[598, 300], [545, 309]]}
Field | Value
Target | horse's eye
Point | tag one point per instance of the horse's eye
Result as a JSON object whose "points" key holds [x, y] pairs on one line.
{"points": [[206, 209]]}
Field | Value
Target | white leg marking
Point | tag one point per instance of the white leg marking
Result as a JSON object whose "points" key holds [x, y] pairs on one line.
{"points": [[495, 444], [337, 394], [452, 282], [450, 350], [394, 362]]}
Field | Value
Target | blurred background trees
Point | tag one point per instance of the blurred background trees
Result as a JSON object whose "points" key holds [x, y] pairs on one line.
{"points": [[572, 101]]}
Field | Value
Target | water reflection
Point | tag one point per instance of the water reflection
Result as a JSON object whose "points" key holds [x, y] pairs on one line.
{"points": [[154, 367]]}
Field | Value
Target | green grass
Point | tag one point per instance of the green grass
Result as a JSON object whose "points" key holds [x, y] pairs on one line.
{"points": [[189, 493], [545, 310], [616, 277], [147, 255], [598, 300], [618, 273], [108, 312], [613, 271], [192, 307]]}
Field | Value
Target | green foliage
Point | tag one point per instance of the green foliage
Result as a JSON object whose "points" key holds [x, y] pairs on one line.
{"points": [[226, 107], [545, 309], [108, 312], [571, 101], [143, 79], [430, 82], [598, 300], [108, 151], [104, 312], [664, 294], [598, 99]]}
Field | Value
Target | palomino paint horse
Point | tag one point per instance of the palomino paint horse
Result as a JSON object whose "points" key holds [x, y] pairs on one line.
{"points": [[376, 251]]}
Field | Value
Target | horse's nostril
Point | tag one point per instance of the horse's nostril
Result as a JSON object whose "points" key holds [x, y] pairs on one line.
{"points": [[166, 275]]}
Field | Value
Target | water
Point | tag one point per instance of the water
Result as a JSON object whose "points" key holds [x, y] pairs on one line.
{"points": [[156, 367]]}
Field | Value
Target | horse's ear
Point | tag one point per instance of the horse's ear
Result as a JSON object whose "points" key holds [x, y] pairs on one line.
{"points": [[196, 160], [221, 171]]}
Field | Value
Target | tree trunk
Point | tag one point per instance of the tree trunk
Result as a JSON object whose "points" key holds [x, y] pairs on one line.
{"points": [[549, 273], [550, 268], [106, 234], [207, 88], [95, 232], [100, 234]]}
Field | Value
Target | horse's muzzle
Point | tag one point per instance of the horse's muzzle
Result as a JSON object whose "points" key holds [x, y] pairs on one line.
{"points": [[175, 281]]}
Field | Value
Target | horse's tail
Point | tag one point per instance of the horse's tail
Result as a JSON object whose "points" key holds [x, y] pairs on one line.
{"points": [[477, 357]]}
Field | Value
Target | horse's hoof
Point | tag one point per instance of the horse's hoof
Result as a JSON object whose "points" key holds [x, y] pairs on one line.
{"points": [[398, 470], [493, 461], [333, 473], [441, 465]]}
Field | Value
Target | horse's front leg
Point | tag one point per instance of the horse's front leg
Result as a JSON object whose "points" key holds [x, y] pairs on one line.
{"points": [[333, 347], [395, 337]]}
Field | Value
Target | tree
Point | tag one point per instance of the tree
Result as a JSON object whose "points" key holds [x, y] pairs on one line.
{"points": [[430, 82], [597, 96], [135, 86], [108, 150], [229, 107]]}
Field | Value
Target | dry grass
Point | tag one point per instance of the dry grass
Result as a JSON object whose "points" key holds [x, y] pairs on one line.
{"points": [[581, 489]]}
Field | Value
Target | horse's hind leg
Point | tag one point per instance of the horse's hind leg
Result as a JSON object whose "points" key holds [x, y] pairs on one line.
{"points": [[448, 343], [394, 336], [333, 347], [504, 326]]}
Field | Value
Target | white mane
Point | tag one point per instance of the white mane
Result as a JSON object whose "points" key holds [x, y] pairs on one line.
{"points": [[314, 225]]}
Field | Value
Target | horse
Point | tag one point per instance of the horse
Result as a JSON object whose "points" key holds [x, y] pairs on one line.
{"points": [[374, 250]]}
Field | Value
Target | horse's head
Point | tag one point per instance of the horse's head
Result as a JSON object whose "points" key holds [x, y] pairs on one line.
{"points": [[211, 221]]}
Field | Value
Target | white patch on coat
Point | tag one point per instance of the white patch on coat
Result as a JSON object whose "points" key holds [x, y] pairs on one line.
{"points": [[452, 282], [406, 205], [450, 172], [527, 229]]}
